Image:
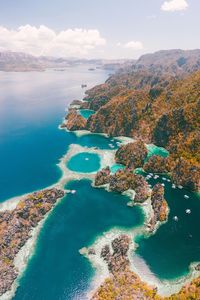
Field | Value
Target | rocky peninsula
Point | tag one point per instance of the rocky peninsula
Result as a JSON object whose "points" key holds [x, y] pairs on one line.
{"points": [[74, 121], [122, 283], [15, 230], [132, 155]]}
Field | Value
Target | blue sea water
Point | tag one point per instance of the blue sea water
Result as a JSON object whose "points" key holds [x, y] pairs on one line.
{"points": [[84, 162]]}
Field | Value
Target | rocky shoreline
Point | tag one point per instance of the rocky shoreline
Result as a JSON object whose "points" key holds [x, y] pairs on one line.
{"points": [[133, 155], [15, 230], [122, 283]]}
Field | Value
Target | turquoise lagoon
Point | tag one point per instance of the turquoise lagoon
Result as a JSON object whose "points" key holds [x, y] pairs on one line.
{"points": [[84, 162], [86, 113], [31, 108], [154, 150]]}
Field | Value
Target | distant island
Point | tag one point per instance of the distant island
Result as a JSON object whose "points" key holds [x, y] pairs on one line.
{"points": [[23, 62]]}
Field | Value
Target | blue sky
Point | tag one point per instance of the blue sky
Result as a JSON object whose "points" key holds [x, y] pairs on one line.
{"points": [[107, 28]]}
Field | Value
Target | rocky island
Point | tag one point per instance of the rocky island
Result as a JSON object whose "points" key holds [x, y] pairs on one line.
{"points": [[15, 230], [74, 121]]}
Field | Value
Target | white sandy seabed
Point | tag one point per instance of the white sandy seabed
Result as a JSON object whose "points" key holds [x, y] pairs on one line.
{"points": [[138, 265]]}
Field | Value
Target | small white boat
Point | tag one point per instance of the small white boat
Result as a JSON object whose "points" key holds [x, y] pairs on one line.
{"points": [[180, 186], [175, 218], [188, 211], [73, 191], [186, 197], [111, 145], [86, 158], [168, 180], [164, 178], [173, 186], [162, 184]]}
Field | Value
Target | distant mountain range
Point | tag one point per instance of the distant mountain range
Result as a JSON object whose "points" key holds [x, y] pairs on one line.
{"points": [[23, 62], [170, 61], [173, 62]]}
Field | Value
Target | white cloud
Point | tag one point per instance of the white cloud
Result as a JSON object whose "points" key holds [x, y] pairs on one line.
{"points": [[45, 41], [174, 5], [135, 45]]}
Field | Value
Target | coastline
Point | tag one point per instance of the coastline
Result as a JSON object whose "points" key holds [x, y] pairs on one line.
{"points": [[24, 256], [101, 272], [165, 287]]}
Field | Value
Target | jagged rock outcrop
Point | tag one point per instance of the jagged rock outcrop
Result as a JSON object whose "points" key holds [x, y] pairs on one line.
{"points": [[15, 228], [158, 164], [102, 177], [123, 180], [159, 206], [78, 104], [189, 291], [74, 121], [122, 284], [141, 188], [117, 261], [132, 155], [186, 174]]}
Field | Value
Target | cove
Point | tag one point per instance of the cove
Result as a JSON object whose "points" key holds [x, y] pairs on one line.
{"points": [[84, 162], [175, 245], [57, 270], [86, 113], [155, 150], [98, 140]]}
